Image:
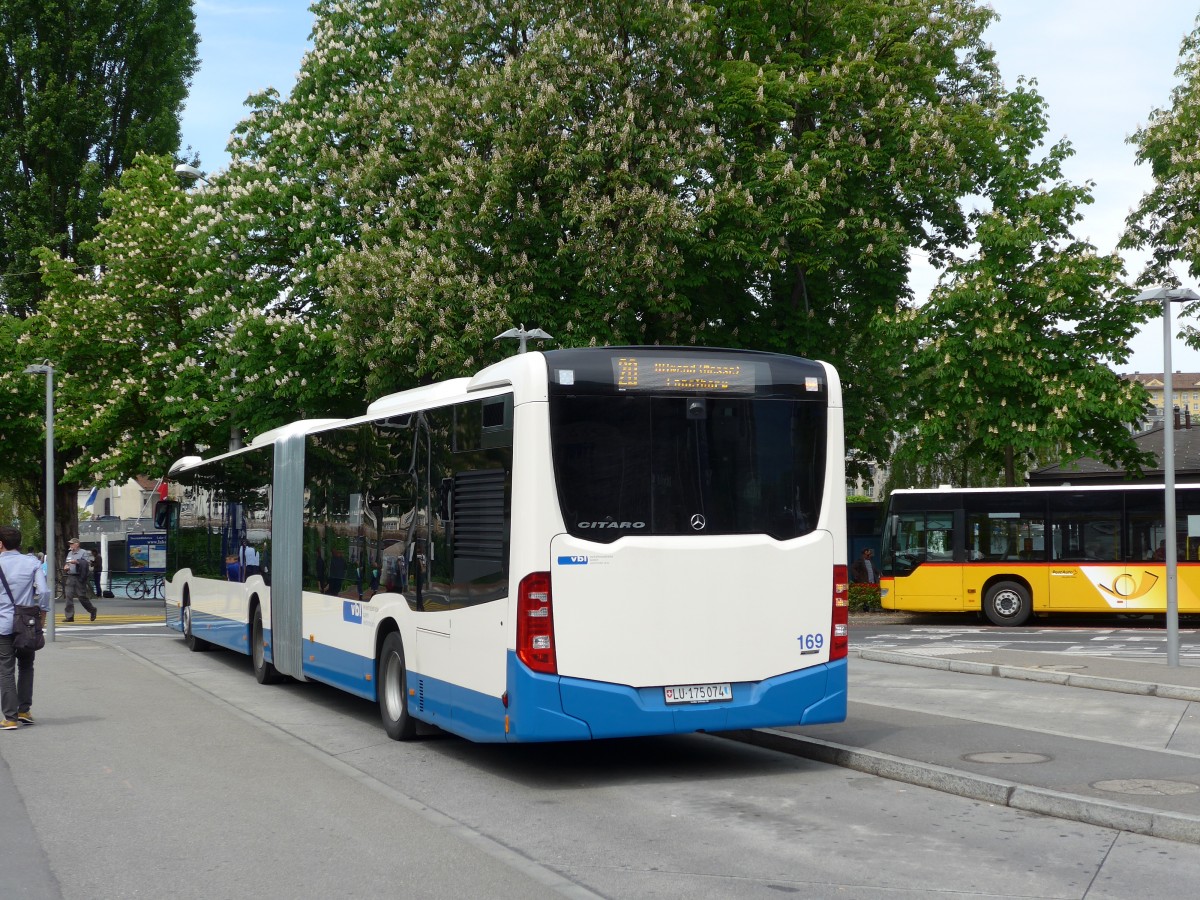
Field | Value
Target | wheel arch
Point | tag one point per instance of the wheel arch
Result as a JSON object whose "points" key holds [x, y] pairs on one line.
{"points": [[386, 627], [1007, 602], [252, 603], [1007, 576], [391, 682]]}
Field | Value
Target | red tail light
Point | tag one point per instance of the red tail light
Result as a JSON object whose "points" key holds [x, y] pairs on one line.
{"points": [[840, 644], [535, 624]]}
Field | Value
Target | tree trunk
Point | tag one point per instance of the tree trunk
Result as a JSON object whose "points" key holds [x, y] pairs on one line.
{"points": [[1010, 475], [66, 520]]}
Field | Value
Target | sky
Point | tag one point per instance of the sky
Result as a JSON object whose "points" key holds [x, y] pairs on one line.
{"points": [[1101, 66]]}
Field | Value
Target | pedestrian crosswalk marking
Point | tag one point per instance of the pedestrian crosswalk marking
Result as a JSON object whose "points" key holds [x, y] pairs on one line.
{"points": [[83, 621]]}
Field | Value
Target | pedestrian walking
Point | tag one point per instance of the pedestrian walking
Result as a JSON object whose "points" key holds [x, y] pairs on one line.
{"points": [[863, 571], [22, 583], [76, 569], [97, 568]]}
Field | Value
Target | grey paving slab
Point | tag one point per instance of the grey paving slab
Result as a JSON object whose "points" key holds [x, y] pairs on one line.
{"points": [[151, 788], [1101, 741]]}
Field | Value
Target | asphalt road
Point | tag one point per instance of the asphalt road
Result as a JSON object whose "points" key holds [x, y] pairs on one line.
{"points": [[154, 771], [1129, 638]]}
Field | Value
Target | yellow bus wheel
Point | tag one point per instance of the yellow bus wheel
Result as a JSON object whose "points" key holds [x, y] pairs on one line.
{"points": [[1007, 603]]}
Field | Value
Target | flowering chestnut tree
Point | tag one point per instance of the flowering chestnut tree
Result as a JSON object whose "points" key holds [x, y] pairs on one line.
{"points": [[1167, 220], [664, 171], [160, 350], [1010, 360]]}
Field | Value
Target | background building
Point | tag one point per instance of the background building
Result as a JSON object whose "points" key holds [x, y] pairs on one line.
{"points": [[1086, 470], [118, 507], [1186, 388]]}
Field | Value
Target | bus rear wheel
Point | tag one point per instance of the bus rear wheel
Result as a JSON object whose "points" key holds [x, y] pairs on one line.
{"points": [[1007, 603], [393, 691], [264, 671], [194, 643]]}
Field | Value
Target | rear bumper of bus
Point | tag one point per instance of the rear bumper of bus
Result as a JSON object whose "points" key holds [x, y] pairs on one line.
{"points": [[556, 708]]}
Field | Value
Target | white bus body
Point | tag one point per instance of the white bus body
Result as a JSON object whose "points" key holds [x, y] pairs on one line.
{"points": [[574, 544]]}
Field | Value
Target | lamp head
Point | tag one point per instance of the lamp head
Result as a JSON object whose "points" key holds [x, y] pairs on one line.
{"points": [[1159, 294], [191, 173]]}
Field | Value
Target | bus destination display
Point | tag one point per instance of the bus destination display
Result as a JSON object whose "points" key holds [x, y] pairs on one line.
{"points": [[710, 375]]}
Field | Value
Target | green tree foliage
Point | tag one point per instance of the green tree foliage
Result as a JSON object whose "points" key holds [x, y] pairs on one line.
{"points": [[555, 176], [645, 172], [157, 361], [1014, 347], [749, 175], [853, 130], [84, 86], [16, 510], [125, 329], [1167, 220]]}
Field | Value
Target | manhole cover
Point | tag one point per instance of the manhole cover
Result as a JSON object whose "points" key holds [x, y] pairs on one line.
{"points": [[1056, 667], [1147, 787], [1007, 757]]}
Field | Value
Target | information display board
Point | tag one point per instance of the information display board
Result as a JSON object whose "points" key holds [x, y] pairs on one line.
{"points": [[146, 552]]}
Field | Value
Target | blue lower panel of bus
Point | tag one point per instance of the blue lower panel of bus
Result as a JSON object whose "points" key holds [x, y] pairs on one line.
{"points": [[218, 630], [552, 708], [340, 668]]}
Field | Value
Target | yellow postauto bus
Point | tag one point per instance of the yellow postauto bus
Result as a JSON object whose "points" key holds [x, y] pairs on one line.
{"points": [[1018, 552]]}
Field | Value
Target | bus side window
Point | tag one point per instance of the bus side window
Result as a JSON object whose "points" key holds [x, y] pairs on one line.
{"points": [[939, 537], [910, 533]]}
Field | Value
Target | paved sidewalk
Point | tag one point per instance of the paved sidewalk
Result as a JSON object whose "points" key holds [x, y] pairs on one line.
{"points": [[135, 783], [1127, 676], [1110, 742]]}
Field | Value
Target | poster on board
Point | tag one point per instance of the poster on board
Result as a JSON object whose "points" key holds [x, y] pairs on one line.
{"points": [[146, 552]]}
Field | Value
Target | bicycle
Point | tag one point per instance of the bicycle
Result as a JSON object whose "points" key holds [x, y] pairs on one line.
{"points": [[149, 587]]}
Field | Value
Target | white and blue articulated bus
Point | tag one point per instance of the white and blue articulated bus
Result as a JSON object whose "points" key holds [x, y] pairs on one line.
{"points": [[568, 545]]}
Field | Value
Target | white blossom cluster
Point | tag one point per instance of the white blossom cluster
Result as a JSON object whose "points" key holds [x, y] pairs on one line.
{"points": [[658, 172]]}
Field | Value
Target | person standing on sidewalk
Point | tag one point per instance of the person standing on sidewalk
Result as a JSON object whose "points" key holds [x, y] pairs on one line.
{"points": [[97, 568], [863, 571], [25, 584], [76, 569]]}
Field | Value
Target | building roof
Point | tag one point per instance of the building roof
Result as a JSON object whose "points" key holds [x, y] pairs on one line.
{"points": [[1183, 381], [1086, 470]]}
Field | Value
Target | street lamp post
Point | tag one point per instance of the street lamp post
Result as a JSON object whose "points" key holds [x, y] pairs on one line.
{"points": [[1167, 296], [48, 370]]}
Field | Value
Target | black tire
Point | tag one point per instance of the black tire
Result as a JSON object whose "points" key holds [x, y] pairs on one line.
{"points": [[195, 644], [265, 672], [393, 690], [1007, 603]]}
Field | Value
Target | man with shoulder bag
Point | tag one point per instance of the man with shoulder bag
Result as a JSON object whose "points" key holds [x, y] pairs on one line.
{"points": [[77, 570], [24, 603]]}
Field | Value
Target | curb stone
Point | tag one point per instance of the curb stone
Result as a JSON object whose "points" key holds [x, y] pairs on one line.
{"points": [[1043, 801], [1020, 673]]}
